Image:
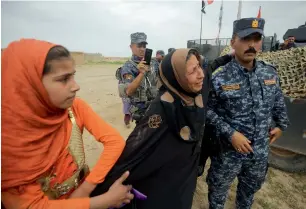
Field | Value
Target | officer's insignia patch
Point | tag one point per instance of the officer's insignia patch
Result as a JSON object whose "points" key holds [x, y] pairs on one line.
{"points": [[128, 76], [154, 121], [230, 87], [255, 24], [270, 82]]}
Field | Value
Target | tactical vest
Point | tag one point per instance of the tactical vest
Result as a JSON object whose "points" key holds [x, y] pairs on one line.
{"points": [[147, 90]]}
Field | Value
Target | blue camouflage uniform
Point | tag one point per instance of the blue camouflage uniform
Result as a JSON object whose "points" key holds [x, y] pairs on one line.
{"points": [[155, 62], [147, 90], [245, 101]]}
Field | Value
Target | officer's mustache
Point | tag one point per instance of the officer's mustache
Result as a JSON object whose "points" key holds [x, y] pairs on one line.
{"points": [[251, 50]]}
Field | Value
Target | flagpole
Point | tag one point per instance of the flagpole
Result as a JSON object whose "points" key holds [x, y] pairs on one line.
{"points": [[239, 10], [201, 29]]}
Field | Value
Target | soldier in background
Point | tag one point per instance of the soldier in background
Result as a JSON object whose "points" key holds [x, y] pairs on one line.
{"points": [[170, 50], [160, 54], [138, 83], [291, 42], [284, 45], [246, 97]]}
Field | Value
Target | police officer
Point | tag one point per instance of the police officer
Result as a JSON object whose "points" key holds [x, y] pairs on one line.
{"points": [[246, 97], [170, 50], [160, 54], [138, 82]]}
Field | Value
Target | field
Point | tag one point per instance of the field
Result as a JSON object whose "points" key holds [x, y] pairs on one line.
{"points": [[99, 89]]}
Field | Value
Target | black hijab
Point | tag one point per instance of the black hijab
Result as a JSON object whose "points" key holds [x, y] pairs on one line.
{"points": [[184, 108]]}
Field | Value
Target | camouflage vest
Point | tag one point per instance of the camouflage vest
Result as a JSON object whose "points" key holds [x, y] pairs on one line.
{"points": [[147, 90]]}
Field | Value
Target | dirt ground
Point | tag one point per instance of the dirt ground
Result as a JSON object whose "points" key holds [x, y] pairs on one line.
{"points": [[99, 89]]}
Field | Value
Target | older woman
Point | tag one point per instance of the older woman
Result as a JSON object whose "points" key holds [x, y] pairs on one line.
{"points": [[43, 160], [163, 150]]}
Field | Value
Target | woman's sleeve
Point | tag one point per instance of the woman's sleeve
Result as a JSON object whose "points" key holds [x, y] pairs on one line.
{"points": [[112, 141], [32, 197]]}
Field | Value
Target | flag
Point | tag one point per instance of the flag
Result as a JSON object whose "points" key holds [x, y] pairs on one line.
{"points": [[210, 2], [203, 5], [259, 13]]}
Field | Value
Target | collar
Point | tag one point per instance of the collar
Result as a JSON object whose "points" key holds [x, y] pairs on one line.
{"points": [[136, 59], [243, 69]]}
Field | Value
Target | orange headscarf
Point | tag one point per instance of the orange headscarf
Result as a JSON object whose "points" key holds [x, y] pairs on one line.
{"points": [[33, 130]]}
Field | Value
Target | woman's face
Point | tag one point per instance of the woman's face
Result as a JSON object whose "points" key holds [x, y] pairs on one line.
{"points": [[60, 83], [194, 74]]}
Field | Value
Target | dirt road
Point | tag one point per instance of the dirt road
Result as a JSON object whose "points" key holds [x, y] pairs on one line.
{"points": [[99, 89]]}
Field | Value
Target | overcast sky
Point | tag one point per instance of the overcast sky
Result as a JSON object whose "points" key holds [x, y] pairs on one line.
{"points": [[105, 27]]}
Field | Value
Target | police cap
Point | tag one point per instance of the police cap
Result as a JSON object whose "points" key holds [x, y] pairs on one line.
{"points": [[247, 26], [160, 52], [138, 37]]}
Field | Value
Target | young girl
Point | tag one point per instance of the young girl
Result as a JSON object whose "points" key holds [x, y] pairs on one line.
{"points": [[43, 161]]}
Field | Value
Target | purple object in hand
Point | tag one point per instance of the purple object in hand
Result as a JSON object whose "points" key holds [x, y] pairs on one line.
{"points": [[137, 195]]}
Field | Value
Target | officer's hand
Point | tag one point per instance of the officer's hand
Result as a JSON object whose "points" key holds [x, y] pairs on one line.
{"points": [[142, 68], [241, 143], [275, 134]]}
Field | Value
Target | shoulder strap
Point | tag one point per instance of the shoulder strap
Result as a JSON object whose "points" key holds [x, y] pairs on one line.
{"points": [[133, 63]]}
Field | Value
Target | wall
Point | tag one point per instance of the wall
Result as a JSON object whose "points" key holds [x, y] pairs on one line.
{"points": [[78, 57], [93, 57]]}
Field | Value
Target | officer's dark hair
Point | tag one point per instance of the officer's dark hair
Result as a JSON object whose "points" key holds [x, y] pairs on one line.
{"points": [[55, 53], [195, 53]]}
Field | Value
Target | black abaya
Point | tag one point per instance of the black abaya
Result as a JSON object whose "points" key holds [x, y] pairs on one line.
{"points": [[162, 165], [162, 153]]}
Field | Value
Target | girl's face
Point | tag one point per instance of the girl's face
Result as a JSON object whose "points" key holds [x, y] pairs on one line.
{"points": [[60, 84]]}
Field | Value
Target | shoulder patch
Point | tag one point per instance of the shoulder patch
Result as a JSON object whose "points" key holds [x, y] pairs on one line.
{"points": [[217, 71], [128, 76]]}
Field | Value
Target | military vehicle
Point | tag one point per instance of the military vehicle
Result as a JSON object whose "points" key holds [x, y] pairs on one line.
{"points": [[212, 48], [288, 153]]}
